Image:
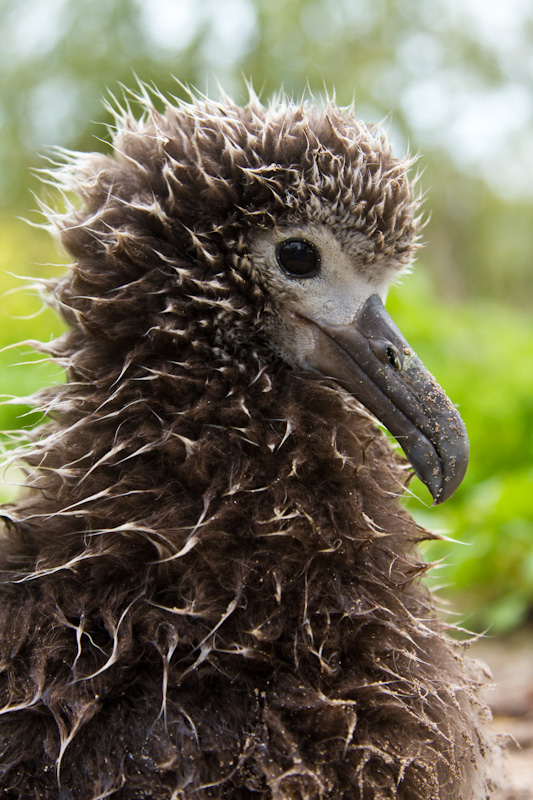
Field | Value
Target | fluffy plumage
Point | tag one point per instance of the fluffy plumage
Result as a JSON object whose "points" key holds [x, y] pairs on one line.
{"points": [[210, 588]]}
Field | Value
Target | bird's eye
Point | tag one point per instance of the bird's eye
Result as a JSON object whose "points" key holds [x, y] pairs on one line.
{"points": [[298, 258]]}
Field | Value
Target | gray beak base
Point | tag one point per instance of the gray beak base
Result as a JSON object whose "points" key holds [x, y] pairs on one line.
{"points": [[373, 361]]}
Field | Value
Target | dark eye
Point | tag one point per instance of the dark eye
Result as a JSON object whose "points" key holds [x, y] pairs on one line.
{"points": [[298, 258]]}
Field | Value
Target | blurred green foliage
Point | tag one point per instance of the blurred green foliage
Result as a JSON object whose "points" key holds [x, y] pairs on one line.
{"points": [[450, 79], [23, 316]]}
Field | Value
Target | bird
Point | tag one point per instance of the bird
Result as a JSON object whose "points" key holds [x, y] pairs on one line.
{"points": [[209, 585]]}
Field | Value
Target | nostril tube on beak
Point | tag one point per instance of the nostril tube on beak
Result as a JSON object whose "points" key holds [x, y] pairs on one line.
{"points": [[393, 357], [386, 352]]}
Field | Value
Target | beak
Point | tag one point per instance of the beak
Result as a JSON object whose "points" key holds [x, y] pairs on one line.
{"points": [[373, 361]]}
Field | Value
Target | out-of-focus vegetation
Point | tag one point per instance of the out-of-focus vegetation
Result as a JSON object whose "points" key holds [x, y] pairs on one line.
{"points": [[24, 316], [451, 78]]}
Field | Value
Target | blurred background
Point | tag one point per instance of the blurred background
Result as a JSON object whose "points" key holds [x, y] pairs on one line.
{"points": [[451, 80]]}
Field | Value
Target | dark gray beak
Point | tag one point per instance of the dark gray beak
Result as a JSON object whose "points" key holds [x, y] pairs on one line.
{"points": [[374, 362]]}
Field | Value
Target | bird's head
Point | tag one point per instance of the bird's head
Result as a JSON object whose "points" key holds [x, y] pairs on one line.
{"points": [[260, 232]]}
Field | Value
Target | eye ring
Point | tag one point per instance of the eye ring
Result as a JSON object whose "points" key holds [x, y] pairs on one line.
{"points": [[298, 258]]}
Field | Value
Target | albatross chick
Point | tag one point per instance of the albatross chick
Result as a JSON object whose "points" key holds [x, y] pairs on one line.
{"points": [[210, 589]]}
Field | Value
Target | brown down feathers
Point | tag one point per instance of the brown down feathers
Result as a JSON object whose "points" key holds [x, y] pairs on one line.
{"points": [[209, 587]]}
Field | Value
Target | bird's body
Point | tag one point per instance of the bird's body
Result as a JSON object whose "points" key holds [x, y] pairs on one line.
{"points": [[209, 589]]}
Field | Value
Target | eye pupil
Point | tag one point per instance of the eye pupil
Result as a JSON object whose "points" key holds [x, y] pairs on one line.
{"points": [[298, 258]]}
